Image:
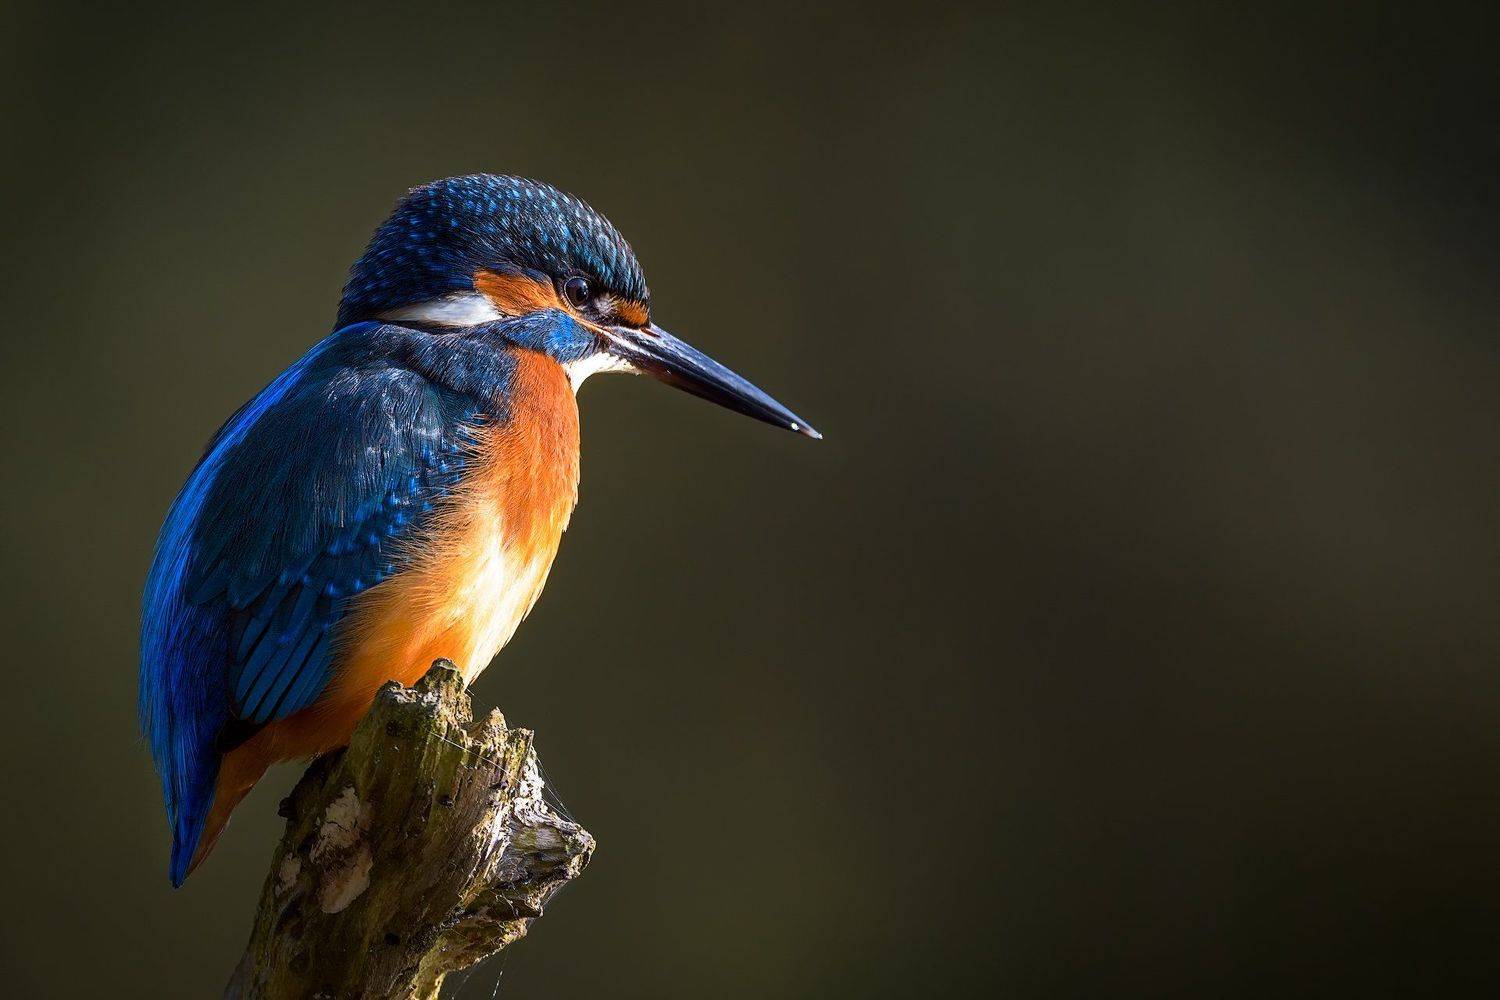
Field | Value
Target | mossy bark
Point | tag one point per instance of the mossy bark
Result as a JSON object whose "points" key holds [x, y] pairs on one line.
{"points": [[422, 848]]}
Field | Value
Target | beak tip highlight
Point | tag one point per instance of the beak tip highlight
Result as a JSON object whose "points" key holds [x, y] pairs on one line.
{"points": [[805, 430]]}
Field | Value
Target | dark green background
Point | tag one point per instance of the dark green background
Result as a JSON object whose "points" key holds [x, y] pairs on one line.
{"points": [[1131, 634]]}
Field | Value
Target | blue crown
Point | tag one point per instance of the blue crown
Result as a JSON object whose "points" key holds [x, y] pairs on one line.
{"points": [[441, 233]]}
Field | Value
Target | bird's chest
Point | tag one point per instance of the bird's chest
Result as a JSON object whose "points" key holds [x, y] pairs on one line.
{"points": [[483, 565], [498, 541]]}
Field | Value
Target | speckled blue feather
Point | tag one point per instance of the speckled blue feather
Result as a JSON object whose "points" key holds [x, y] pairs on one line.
{"points": [[441, 233]]}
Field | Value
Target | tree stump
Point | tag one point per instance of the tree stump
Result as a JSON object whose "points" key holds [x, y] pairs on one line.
{"points": [[422, 848]]}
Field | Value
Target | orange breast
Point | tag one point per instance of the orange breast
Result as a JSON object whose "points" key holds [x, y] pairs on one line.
{"points": [[475, 576], [469, 585], [483, 566]]}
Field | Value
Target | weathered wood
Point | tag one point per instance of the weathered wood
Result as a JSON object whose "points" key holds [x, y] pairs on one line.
{"points": [[422, 848]]}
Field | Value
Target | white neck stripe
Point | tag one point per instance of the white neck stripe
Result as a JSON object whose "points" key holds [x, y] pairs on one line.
{"points": [[458, 309], [471, 308]]}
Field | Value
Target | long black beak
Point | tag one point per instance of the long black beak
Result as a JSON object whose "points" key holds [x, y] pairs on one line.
{"points": [[657, 353]]}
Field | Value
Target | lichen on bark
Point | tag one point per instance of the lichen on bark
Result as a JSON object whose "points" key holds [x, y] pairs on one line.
{"points": [[423, 847]]}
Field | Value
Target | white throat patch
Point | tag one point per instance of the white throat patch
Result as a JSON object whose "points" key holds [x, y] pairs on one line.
{"points": [[594, 363]]}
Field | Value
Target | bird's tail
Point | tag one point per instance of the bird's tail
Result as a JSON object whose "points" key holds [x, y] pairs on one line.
{"points": [[235, 774], [190, 815]]}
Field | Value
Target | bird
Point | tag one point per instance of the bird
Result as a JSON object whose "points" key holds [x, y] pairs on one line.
{"points": [[397, 495]]}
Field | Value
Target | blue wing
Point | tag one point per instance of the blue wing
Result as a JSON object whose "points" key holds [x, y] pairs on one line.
{"points": [[307, 512], [302, 500]]}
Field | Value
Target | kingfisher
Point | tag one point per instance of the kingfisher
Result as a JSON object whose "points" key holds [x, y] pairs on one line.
{"points": [[398, 494]]}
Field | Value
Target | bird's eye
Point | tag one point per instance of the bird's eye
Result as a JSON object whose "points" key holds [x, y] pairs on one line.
{"points": [[578, 292]]}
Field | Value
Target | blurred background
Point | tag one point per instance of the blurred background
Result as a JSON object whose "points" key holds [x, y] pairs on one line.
{"points": [[1132, 632]]}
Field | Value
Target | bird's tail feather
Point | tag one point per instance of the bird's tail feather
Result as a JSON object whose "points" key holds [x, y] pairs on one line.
{"points": [[191, 816], [235, 774]]}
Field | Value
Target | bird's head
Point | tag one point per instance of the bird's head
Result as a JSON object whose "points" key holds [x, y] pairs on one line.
{"points": [[475, 250]]}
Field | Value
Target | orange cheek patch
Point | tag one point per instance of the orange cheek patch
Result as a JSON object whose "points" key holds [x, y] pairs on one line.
{"points": [[516, 294], [632, 313], [519, 294]]}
